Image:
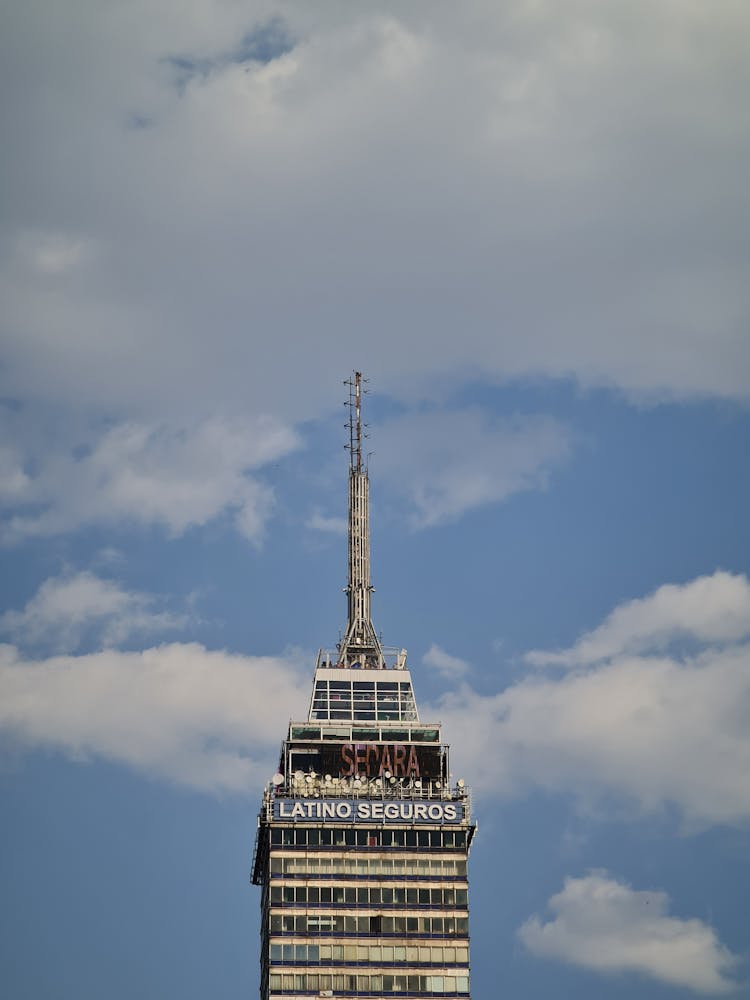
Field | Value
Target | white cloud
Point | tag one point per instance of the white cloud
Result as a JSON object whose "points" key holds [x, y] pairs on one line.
{"points": [[208, 720], [449, 462], [66, 608], [444, 663], [52, 253], [650, 730], [331, 525], [546, 191], [14, 481], [709, 609], [174, 476], [605, 925]]}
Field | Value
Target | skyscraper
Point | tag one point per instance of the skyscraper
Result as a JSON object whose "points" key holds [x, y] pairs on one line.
{"points": [[363, 837]]}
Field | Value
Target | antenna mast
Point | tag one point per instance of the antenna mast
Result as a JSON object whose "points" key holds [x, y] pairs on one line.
{"points": [[360, 645]]}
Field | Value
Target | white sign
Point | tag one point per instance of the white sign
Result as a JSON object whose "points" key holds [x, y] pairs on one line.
{"points": [[366, 811]]}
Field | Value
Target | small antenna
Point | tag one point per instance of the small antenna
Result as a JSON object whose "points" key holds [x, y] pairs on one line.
{"points": [[354, 424]]}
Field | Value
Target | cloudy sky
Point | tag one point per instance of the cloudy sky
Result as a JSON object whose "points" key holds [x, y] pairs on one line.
{"points": [[527, 222]]}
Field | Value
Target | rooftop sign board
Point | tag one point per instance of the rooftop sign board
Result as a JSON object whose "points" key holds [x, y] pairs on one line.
{"points": [[366, 811]]}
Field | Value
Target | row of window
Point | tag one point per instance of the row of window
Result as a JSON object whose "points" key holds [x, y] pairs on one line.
{"points": [[348, 982], [354, 865], [429, 954], [391, 688], [289, 895], [379, 924], [300, 836], [369, 735]]}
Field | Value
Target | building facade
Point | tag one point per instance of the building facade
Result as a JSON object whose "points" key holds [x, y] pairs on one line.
{"points": [[363, 837]]}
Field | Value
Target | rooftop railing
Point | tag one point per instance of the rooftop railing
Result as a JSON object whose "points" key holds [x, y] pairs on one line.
{"points": [[390, 658]]}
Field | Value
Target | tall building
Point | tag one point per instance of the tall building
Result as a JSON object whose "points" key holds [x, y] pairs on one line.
{"points": [[363, 837]]}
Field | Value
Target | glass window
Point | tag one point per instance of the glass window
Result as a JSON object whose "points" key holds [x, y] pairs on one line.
{"points": [[275, 952]]}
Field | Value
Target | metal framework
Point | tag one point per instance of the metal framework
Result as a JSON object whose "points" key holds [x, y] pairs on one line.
{"points": [[360, 644]]}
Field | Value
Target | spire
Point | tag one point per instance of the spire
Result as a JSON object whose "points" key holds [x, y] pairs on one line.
{"points": [[360, 643]]}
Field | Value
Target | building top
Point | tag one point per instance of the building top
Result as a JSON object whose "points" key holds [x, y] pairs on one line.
{"points": [[351, 695]]}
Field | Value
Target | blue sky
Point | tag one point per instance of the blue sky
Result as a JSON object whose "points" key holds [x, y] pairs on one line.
{"points": [[527, 224]]}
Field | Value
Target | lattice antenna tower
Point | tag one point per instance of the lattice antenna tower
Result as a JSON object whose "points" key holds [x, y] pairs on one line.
{"points": [[360, 644]]}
